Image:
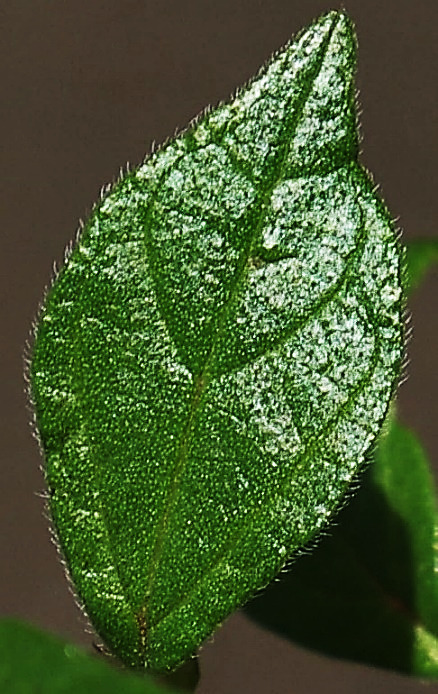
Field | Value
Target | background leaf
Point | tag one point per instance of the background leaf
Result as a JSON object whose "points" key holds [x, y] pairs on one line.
{"points": [[369, 592], [422, 255], [32, 662], [218, 355]]}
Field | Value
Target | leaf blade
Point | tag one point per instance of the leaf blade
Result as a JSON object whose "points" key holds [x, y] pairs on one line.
{"points": [[192, 370]]}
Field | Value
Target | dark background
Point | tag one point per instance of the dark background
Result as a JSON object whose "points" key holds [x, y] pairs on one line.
{"points": [[88, 85]]}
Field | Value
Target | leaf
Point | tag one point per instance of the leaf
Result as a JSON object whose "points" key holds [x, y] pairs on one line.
{"points": [[369, 592], [217, 356], [34, 662], [421, 256]]}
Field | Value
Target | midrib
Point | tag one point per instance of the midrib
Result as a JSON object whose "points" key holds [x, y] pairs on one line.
{"points": [[203, 380]]}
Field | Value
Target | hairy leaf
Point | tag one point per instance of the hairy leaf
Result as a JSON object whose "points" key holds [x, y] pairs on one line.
{"points": [[217, 356], [32, 662], [369, 592]]}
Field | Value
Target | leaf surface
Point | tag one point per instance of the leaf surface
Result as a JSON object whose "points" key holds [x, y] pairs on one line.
{"points": [[217, 356], [32, 662], [369, 592]]}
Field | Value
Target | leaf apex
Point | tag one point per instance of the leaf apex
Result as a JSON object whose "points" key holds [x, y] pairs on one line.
{"points": [[341, 31]]}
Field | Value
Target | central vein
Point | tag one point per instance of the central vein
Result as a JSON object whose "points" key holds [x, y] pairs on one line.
{"points": [[203, 380]]}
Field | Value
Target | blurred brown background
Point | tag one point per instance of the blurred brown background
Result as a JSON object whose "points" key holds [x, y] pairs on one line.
{"points": [[88, 85]]}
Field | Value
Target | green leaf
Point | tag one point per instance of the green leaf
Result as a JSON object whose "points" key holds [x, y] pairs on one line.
{"points": [[421, 256], [217, 356], [32, 662], [370, 592]]}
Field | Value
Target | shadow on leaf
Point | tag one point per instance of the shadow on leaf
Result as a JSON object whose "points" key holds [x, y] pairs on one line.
{"points": [[354, 597]]}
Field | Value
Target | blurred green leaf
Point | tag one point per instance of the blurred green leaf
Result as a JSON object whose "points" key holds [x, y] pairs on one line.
{"points": [[33, 662], [422, 255], [369, 592]]}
